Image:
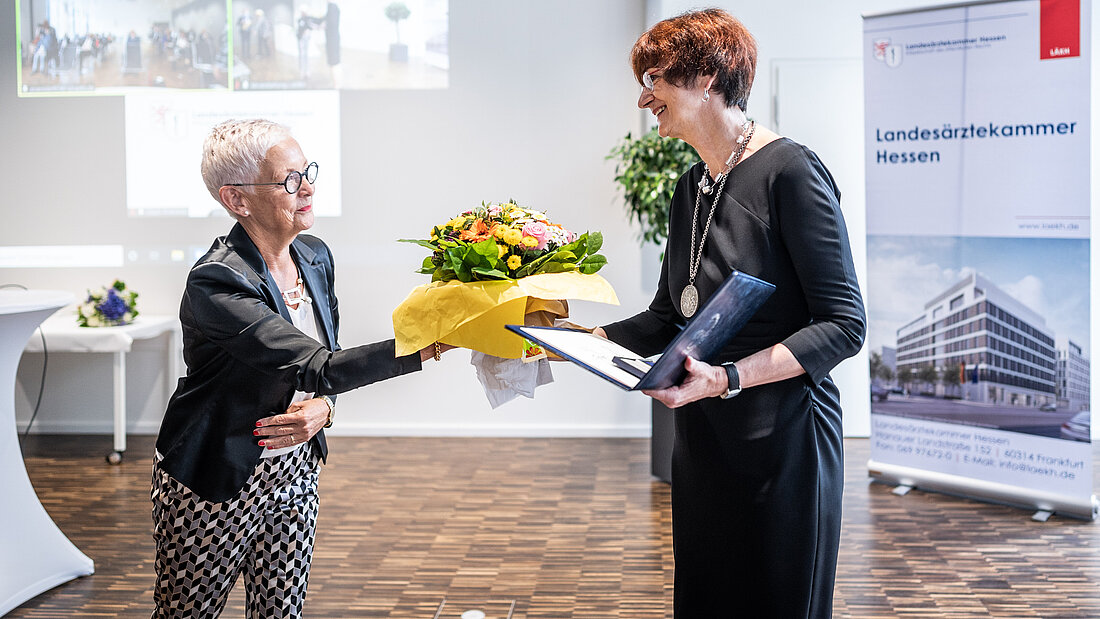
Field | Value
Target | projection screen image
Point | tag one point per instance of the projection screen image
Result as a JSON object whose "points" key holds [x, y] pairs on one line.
{"points": [[112, 46], [83, 47]]}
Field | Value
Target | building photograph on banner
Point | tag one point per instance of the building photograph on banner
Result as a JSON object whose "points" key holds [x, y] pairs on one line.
{"points": [[978, 249], [985, 332]]}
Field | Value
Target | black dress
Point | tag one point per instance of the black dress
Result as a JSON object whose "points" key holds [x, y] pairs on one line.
{"points": [[757, 479]]}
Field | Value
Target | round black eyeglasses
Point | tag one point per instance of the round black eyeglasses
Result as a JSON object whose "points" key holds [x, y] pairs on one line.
{"points": [[293, 180]]}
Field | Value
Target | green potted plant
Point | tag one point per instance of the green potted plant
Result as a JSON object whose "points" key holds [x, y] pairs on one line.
{"points": [[395, 12], [647, 169]]}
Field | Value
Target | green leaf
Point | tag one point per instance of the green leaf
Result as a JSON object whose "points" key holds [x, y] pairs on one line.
{"points": [[452, 258], [579, 246], [487, 248], [595, 242], [553, 267], [533, 267], [463, 273], [592, 264], [421, 242], [490, 273]]}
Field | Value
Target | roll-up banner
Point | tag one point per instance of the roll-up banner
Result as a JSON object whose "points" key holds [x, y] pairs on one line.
{"points": [[977, 156]]}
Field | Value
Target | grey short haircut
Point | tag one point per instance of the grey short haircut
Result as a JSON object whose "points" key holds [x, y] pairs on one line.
{"points": [[234, 150]]}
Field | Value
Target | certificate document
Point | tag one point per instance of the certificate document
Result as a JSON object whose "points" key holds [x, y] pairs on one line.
{"points": [[715, 324]]}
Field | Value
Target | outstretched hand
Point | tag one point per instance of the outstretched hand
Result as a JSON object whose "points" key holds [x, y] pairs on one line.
{"points": [[703, 381]]}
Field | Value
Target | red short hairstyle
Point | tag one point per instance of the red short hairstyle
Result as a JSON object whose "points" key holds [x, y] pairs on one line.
{"points": [[707, 42]]}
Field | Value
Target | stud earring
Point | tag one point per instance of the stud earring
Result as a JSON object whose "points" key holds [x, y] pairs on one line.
{"points": [[246, 213], [706, 95]]}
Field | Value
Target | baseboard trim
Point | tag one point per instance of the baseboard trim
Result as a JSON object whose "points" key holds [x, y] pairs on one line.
{"points": [[384, 429]]}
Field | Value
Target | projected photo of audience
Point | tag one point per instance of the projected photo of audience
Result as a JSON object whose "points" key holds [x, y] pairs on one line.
{"points": [[120, 45], [351, 45]]}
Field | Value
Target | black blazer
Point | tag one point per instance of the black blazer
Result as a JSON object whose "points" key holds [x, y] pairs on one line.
{"points": [[245, 360]]}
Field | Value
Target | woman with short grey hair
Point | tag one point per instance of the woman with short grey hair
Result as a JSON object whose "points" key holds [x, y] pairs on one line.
{"points": [[237, 457]]}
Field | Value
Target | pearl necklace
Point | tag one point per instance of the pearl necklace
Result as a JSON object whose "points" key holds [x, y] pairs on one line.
{"points": [[689, 298]]}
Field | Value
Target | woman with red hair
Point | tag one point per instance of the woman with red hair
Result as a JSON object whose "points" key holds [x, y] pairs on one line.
{"points": [[757, 469]]}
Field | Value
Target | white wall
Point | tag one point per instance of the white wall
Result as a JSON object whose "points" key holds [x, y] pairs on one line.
{"points": [[823, 43], [540, 92], [790, 32], [802, 29]]}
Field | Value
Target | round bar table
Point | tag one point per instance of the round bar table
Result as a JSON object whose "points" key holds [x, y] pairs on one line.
{"points": [[34, 554]]}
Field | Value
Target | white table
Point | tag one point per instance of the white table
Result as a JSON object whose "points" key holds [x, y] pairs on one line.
{"points": [[34, 554], [64, 335]]}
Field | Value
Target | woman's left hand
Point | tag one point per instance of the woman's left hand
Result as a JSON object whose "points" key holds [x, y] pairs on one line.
{"points": [[703, 381], [297, 425]]}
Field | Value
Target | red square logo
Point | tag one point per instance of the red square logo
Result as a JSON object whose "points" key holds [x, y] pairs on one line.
{"points": [[1059, 29]]}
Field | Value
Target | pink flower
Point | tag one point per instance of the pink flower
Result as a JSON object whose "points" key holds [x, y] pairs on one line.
{"points": [[539, 230]]}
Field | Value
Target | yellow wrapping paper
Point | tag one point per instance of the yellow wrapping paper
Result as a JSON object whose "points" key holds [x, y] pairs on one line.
{"points": [[473, 314]]}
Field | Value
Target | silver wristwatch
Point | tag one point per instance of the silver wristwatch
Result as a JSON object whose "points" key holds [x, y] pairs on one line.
{"points": [[734, 387]]}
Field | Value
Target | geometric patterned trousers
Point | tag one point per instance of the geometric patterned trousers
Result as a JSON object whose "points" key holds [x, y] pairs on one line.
{"points": [[265, 533]]}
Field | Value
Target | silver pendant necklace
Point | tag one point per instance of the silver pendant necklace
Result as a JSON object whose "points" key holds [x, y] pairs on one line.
{"points": [[704, 183], [689, 298]]}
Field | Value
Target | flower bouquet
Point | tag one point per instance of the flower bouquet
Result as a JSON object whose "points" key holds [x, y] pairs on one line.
{"points": [[494, 265], [108, 307], [507, 241]]}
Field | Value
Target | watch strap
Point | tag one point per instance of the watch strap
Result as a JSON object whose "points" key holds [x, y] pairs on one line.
{"points": [[734, 384]]}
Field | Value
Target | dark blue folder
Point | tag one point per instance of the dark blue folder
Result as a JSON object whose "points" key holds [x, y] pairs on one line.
{"points": [[714, 325]]}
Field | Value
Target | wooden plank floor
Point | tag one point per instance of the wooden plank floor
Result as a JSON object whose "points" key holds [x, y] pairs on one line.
{"points": [[557, 528]]}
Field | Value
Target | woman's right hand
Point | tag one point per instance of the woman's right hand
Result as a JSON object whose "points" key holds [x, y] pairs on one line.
{"points": [[600, 332]]}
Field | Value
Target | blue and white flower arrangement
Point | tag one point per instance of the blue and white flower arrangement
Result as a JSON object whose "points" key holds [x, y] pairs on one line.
{"points": [[108, 307]]}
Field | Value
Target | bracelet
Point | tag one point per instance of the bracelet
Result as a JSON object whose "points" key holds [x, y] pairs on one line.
{"points": [[331, 410], [437, 351]]}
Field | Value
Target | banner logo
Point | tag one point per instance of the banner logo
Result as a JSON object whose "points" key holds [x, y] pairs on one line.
{"points": [[884, 52], [880, 49], [1059, 29]]}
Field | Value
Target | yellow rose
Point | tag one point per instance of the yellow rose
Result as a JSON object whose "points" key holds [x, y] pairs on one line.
{"points": [[513, 237], [530, 241], [514, 262], [457, 223], [501, 250]]}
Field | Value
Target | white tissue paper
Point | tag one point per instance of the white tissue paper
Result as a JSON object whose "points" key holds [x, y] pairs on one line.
{"points": [[504, 379]]}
